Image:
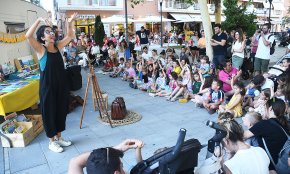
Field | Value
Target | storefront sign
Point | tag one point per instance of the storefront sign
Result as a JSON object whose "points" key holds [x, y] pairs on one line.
{"points": [[86, 16]]}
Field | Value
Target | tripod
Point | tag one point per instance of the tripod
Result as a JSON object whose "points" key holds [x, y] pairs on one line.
{"points": [[96, 96]]}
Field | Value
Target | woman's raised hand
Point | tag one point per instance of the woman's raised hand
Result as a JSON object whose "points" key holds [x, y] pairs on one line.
{"points": [[46, 21], [73, 17]]}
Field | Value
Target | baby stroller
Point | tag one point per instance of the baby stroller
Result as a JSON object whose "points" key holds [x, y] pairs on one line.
{"points": [[179, 159]]}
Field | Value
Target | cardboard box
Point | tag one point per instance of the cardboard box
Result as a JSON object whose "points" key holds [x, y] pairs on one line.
{"points": [[37, 124], [19, 139]]}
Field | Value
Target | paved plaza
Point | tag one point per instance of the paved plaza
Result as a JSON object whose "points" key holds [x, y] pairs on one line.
{"points": [[159, 126]]}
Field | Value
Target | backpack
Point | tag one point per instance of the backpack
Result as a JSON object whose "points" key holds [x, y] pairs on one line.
{"points": [[272, 48], [282, 165]]}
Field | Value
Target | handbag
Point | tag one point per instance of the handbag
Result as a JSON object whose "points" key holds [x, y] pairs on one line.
{"points": [[282, 165]]}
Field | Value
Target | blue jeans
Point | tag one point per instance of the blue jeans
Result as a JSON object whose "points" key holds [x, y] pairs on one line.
{"points": [[218, 61]]}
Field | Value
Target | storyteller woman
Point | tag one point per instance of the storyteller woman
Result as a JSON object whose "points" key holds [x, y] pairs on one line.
{"points": [[53, 89]]}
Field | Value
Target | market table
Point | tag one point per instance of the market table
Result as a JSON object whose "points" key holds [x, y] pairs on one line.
{"points": [[20, 99]]}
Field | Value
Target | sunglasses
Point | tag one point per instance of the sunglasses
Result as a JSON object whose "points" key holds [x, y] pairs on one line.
{"points": [[49, 32]]}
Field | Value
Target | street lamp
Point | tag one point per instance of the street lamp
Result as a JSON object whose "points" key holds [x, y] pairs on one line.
{"points": [[270, 1], [161, 1]]}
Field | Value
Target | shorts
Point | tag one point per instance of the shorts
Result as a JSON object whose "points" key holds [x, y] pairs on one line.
{"points": [[261, 64]]}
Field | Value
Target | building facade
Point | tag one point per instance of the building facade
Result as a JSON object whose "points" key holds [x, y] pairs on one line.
{"points": [[17, 16], [177, 10]]}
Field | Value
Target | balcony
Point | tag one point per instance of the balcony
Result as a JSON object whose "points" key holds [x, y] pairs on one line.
{"points": [[181, 7], [103, 5]]}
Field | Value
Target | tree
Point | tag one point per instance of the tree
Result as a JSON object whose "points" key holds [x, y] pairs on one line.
{"points": [[99, 33], [238, 18]]}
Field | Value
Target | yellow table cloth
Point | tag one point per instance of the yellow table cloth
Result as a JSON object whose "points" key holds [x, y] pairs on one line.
{"points": [[20, 99]]}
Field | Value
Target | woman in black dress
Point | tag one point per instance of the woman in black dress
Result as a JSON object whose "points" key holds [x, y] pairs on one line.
{"points": [[53, 88]]}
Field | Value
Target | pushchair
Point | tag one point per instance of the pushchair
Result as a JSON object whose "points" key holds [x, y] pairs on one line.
{"points": [[181, 158]]}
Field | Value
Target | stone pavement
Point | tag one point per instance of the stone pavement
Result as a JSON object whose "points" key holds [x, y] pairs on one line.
{"points": [[161, 121]]}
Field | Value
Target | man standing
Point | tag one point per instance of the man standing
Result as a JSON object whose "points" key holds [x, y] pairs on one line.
{"points": [[262, 57], [218, 43], [143, 36]]}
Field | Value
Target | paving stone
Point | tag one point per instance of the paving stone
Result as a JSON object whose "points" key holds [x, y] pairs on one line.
{"points": [[25, 158], [37, 169]]}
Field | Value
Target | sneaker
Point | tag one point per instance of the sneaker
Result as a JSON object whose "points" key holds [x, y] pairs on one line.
{"points": [[55, 147], [211, 111], [183, 100], [63, 143], [151, 94]]}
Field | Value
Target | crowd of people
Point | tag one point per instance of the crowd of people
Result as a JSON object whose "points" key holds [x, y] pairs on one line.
{"points": [[217, 86]]}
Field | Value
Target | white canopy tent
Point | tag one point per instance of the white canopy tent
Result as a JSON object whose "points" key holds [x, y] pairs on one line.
{"points": [[153, 19]]}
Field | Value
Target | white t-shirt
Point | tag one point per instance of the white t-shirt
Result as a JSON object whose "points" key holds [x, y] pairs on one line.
{"points": [[263, 52], [248, 161], [146, 56], [237, 46]]}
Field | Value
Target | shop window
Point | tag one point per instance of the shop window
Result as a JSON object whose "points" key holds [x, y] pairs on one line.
{"points": [[79, 2], [14, 28]]}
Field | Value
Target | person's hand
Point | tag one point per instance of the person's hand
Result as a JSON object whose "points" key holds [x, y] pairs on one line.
{"points": [[127, 144], [72, 18], [212, 40], [46, 21], [139, 144], [262, 34]]}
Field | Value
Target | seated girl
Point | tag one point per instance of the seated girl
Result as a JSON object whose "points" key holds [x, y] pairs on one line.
{"points": [[119, 70], [170, 87], [235, 104], [129, 72], [251, 93], [203, 93], [186, 83], [159, 84], [195, 86], [260, 104]]}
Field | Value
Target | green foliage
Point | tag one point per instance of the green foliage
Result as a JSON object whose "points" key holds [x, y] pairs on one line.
{"points": [[285, 20], [99, 31], [238, 18], [136, 2]]}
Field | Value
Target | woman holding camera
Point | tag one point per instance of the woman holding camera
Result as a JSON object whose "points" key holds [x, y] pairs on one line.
{"points": [[53, 89], [243, 158]]}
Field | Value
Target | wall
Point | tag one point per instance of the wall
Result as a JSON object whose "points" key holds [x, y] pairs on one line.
{"points": [[17, 11]]}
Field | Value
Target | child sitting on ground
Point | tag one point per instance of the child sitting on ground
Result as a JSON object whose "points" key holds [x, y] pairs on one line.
{"points": [[184, 85], [195, 87], [204, 66], [203, 93], [249, 120], [216, 97], [235, 104], [260, 104], [170, 87], [129, 72], [251, 93], [159, 84], [119, 69]]}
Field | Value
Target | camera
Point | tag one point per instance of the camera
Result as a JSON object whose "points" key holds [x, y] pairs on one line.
{"points": [[218, 137]]}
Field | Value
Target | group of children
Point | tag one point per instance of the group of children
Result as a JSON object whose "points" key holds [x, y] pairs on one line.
{"points": [[175, 78]]}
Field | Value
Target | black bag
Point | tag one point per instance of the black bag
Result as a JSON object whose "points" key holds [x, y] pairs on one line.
{"points": [[185, 162], [74, 77]]}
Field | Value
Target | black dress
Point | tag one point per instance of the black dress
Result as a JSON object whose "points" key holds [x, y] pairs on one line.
{"points": [[53, 92]]}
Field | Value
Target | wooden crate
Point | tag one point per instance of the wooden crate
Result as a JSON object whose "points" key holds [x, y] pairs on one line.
{"points": [[37, 123], [19, 139]]}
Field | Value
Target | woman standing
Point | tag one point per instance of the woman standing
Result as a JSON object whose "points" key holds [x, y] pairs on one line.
{"points": [[53, 89], [238, 50], [202, 44]]}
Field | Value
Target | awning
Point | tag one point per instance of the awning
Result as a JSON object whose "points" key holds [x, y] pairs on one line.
{"points": [[182, 17], [278, 6], [198, 18], [153, 19]]}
